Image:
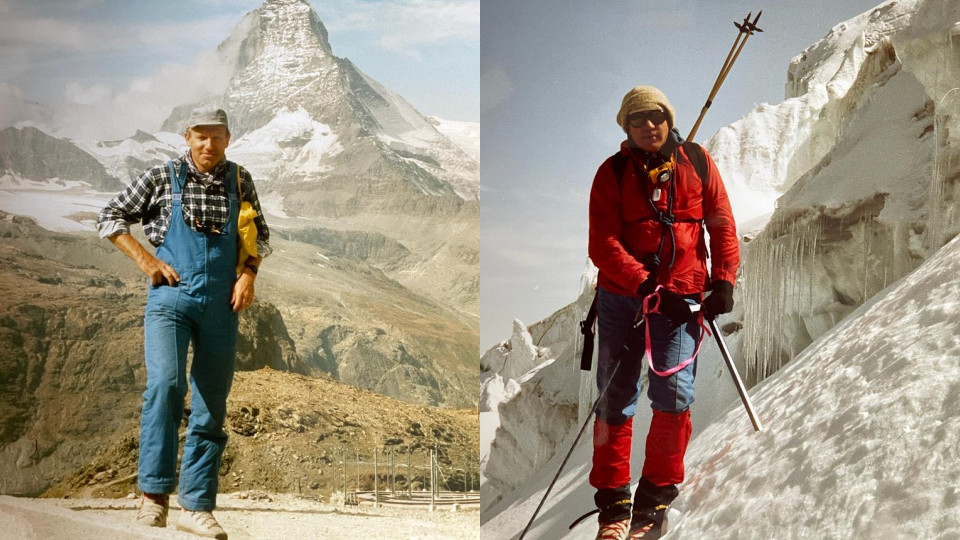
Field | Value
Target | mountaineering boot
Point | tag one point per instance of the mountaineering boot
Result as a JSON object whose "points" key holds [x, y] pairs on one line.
{"points": [[614, 530], [650, 503], [153, 510], [614, 518], [647, 523], [201, 524]]}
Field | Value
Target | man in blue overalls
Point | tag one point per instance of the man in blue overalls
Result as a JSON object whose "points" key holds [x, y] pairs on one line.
{"points": [[189, 208]]}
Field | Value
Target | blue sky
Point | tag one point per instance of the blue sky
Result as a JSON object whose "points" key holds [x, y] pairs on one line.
{"points": [[92, 52], [553, 73]]}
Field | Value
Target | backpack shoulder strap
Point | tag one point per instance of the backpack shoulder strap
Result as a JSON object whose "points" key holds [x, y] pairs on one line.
{"points": [[240, 182], [619, 163], [695, 153]]}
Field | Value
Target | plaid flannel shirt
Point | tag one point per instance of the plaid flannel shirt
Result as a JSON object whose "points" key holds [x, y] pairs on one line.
{"points": [[148, 199]]}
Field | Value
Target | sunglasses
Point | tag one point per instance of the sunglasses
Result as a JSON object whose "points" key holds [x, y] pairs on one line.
{"points": [[207, 227], [639, 120]]}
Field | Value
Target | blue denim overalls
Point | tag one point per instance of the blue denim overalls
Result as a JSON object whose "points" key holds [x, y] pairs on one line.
{"points": [[198, 310]]}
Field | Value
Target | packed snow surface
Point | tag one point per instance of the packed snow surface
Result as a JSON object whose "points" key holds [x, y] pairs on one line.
{"points": [[862, 430]]}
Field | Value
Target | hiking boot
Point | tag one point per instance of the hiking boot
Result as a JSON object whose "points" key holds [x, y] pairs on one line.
{"points": [[153, 510], [647, 523], [614, 518], [614, 530], [201, 524]]}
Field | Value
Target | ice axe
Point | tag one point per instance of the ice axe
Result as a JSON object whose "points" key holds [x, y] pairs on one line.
{"points": [[746, 28], [741, 389]]}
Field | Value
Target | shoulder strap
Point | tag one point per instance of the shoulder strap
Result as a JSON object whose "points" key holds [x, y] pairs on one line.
{"points": [[586, 328], [238, 178], [619, 164], [176, 182], [695, 153]]}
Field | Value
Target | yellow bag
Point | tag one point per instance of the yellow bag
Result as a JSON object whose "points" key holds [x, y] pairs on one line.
{"points": [[246, 228]]}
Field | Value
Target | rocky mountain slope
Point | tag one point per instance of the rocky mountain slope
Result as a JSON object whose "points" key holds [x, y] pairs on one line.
{"points": [[71, 354], [290, 434], [32, 154]]}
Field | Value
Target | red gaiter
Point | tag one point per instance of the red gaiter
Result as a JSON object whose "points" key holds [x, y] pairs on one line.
{"points": [[666, 446], [611, 454]]}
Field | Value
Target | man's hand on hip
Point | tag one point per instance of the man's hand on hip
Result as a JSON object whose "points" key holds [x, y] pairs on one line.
{"points": [[157, 270], [242, 292]]}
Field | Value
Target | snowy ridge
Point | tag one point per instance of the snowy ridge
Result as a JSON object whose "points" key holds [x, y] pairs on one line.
{"points": [[466, 135], [762, 154], [290, 145], [127, 158], [409, 133], [528, 377]]}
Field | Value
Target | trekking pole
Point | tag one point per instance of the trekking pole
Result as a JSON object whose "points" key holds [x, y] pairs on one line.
{"points": [[603, 391], [744, 397], [746, 29]]}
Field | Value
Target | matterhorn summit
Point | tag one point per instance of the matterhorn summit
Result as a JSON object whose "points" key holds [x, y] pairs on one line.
{"points": [[284, 70]]}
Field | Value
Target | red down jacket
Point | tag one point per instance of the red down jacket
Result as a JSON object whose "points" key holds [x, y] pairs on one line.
{"points": [[624, 229]]}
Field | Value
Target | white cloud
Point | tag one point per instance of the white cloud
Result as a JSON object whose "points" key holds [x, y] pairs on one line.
{"points": [[415, 23], [11, 90], [97, 37], [404, 26], [144, 104], [78, 92], [87, 108]]}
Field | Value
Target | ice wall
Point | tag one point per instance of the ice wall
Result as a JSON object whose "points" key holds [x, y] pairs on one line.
{"points": [[880, 201], [535, 418]]}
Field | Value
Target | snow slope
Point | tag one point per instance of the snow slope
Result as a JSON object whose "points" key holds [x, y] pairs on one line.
{"points": [[860, 441], [861, 432]]}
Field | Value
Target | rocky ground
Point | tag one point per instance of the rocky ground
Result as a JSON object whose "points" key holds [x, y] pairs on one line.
{"points": [[290, 434]]}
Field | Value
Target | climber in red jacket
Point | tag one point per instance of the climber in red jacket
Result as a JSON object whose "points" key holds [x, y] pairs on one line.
{"points": [[648, 211]]}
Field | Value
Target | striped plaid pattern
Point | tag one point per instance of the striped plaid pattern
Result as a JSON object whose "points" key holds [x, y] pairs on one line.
{"points": [[205, 204]]}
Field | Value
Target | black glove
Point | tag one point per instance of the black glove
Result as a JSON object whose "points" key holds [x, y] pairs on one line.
{"points": [[675, 307], [720, 300], [647, 287], [672, 305]]}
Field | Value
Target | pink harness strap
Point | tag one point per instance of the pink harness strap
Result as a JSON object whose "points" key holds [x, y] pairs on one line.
{"points": [[648, 353]]}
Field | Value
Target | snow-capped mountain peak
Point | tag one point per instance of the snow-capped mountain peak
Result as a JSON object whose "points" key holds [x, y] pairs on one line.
{"points": [[284, 64]]}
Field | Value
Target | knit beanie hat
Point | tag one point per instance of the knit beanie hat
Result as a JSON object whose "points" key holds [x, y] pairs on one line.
{"points": [[643, 98]]}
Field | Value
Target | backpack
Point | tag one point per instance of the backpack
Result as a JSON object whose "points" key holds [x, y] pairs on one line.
{"points": [[619, 162]]}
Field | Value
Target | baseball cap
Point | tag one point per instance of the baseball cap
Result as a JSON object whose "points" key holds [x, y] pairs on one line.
{"points": [[207, 116]]}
